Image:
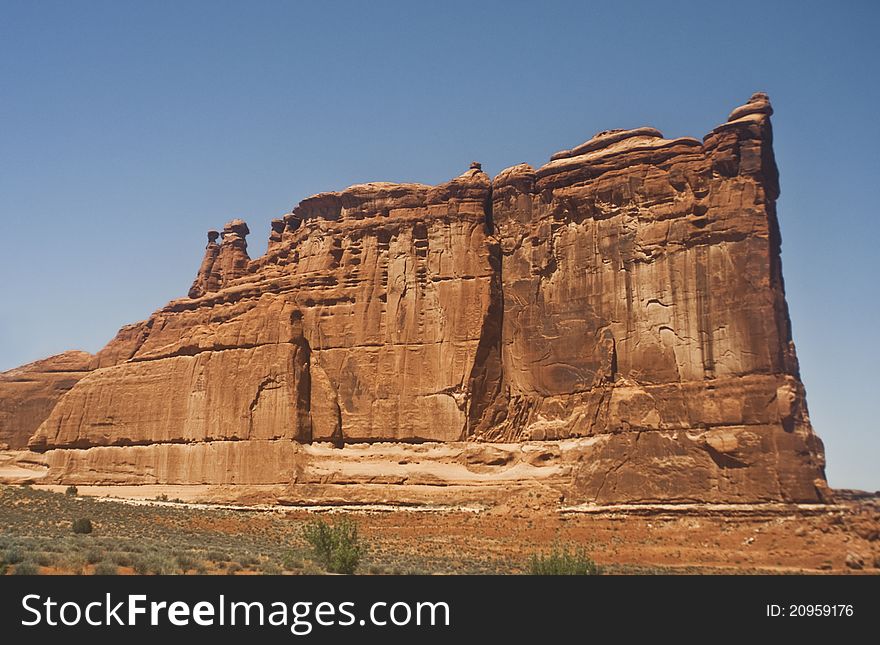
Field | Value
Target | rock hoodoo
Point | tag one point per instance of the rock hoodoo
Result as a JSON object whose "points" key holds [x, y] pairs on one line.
{"points": [[615, 318], [277, 235], [233, 257], [208, 278]]}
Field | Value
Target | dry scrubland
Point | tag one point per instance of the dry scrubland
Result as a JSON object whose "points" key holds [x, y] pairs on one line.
{"points": [[177, 538]]}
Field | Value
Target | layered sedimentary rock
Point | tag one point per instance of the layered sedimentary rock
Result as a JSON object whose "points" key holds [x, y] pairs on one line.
{"points": [[628, 292], [28, 394], [365, 323]]}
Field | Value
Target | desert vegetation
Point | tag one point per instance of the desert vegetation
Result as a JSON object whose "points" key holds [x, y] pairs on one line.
{"points": [[563, 560], [61, 533], [335, 546], [167, 537]]}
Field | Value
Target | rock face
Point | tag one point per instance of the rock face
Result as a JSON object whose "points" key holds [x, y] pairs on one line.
{"points": [[643, 299], [366, 322], [28, 394], [628, 292]]}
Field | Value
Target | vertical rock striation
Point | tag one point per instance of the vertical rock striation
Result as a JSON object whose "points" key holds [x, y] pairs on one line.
{"points": [[644, 305]]}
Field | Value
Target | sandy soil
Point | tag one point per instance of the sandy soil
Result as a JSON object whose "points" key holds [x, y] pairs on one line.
{"points": [[768, 538]]}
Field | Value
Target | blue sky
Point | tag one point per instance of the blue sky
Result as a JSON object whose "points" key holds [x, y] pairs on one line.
{"points": [[127, 129]]}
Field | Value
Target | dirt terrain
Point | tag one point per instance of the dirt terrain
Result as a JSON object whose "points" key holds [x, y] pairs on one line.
{"points": [[168, 536]]}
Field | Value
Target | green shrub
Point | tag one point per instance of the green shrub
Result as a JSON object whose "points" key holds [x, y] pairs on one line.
{"points": [[155, 564], [269, 568], [186, 562], [93, 556], [234, 568], [106, 569], [74, 562], [248, 561], [121, 558], [13, 556], [292, 560], [45, 559], [336, 547], [82, 526], [561, 562], [27, 568], [141, 566], [161, 566], [72, 491]]}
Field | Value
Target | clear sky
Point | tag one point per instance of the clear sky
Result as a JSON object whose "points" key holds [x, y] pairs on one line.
{"points": [[127, 129]]}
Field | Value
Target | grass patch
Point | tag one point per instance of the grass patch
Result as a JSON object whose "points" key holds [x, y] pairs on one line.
{"points": [[186, 562], [44, 559], [106, 569], [562, 562], [13, 556], [27, 568]]}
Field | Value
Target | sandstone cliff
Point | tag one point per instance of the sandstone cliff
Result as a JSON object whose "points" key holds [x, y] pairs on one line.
{"points": [[628, 292], [643, 300], [28, 394]]}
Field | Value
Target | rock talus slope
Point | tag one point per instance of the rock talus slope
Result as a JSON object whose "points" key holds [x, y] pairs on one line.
{"points": [[627, 293]]}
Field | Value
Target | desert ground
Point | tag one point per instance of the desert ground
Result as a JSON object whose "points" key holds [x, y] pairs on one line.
{"points": [[163, 530]]}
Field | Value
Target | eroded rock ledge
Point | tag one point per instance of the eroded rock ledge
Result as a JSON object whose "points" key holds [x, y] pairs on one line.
{"points": [[627, 295]]}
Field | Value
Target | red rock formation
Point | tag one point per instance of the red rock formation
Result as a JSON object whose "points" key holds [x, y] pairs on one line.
{"points": [[644, 304], [233, 258], [208, 278], [28, 394], [390, 286], [227, 261], [628, 292], [276, 237]]}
